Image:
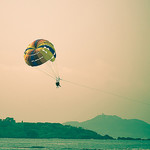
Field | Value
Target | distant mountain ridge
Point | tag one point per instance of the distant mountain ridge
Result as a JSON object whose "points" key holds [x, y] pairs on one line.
{"points": [[115, 126]]}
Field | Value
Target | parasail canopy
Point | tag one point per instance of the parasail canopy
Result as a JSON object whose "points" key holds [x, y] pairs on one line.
{"points": [[39, 52]]}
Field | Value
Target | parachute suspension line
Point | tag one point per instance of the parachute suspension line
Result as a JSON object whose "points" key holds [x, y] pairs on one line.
{"points": [[49, 65], [45, 72], [46, 68], [53, 68], [56, 68], [110, 93]]}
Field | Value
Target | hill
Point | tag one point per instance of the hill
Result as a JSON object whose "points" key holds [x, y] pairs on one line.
{"points": [[10, 129], [115, 126]]}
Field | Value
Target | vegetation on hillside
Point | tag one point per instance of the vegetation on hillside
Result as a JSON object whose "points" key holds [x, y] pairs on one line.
{"points": [[10, 129]]}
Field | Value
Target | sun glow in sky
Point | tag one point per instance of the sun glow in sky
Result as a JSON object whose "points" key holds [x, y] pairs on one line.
{"points": [[101, 44]]}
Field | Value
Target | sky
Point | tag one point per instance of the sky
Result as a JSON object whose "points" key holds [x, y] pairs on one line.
{"points": [[102, 44]]}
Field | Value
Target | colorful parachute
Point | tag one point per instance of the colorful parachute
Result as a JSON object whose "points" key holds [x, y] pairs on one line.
{"points": [[39, 52]]}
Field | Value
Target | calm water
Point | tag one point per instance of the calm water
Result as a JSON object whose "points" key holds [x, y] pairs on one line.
{"points": [[66, 144]]}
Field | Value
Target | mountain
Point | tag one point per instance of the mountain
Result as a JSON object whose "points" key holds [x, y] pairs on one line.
{"points": [[115, 126], [10, 129]]}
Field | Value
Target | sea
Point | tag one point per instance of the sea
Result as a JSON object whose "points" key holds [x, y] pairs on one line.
{"points": [[72, 144]]}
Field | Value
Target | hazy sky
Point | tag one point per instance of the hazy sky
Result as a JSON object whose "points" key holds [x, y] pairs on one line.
{"points": [[104, 44]]}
